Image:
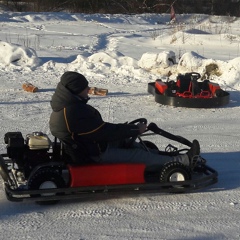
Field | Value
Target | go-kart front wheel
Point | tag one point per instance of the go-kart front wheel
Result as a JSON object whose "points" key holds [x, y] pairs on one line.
{"points": [[46, 178], [174, 172]]}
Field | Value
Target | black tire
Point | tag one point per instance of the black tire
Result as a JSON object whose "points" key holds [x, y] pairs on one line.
{"points": [[4, 170], [46, 178], [174, 172]]}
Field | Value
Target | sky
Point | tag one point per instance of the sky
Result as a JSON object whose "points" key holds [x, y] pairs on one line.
{"points": [[123, 53]]}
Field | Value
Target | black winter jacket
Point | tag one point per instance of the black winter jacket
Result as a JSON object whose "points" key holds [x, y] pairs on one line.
{"points": [[76, 123]]}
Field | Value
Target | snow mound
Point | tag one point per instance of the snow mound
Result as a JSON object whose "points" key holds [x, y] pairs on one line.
{"points": [[154, 60], [190, 60], [18, 55], [103, 58], [231, 73]]}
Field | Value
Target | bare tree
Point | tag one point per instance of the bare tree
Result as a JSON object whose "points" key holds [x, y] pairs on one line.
{"points": [[217, 7]]}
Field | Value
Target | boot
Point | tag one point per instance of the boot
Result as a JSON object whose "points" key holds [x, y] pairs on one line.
{"points": [[192, 157], [193, 153]]}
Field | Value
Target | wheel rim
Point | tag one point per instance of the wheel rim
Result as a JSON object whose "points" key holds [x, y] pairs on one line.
{"points": [[48, 185], [176, 177]]}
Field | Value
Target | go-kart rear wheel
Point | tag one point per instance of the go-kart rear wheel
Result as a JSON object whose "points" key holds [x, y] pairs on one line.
{"points": [[175, 172], [46, 178]]}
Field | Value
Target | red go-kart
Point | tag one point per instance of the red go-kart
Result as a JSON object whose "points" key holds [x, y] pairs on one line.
{"points": [[36, 168], [188, 91]]}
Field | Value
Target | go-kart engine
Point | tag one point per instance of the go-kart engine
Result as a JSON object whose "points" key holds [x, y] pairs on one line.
{"points": [[29, 152]]}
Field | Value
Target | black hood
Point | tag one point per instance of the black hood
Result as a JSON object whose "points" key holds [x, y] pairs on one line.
{"points": [[75, 82], [63, 98]]}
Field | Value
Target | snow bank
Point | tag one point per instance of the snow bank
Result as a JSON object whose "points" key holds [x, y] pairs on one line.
{"points": [[18, 55], [190, 60], [155, 60], [114, 62]]}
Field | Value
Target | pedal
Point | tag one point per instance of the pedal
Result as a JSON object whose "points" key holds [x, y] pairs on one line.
{"points": [[171, 148]]}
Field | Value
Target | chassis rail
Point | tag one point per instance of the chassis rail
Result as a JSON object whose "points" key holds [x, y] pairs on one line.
{"points": [[208, 177]]}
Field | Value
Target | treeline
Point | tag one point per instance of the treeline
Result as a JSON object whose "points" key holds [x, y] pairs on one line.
{"points": [[216, 7]]}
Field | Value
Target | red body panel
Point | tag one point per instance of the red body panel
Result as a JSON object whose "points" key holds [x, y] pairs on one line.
{"points": [[213, 87], [161, 86], [106, 174]]}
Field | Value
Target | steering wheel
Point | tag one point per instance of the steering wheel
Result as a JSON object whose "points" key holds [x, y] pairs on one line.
{"points": [[131, 140], [195, 75]]}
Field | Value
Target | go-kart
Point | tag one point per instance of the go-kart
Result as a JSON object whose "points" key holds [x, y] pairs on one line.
{"points": [[36, 168], [188, 92]]}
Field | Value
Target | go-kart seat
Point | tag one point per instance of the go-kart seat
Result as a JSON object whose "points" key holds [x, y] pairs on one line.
{"points": [[187, 84], [74, 154], [183, 83], [205, 85]]}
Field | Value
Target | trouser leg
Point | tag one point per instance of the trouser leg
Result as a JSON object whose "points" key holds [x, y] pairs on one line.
{"points": [[138, 154]]}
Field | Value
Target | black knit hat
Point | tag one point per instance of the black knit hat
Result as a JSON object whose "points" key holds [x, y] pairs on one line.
{"points": [[74, 82]]}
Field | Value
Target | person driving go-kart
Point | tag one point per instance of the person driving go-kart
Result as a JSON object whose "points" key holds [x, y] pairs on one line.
{"points": [[88, 138]]}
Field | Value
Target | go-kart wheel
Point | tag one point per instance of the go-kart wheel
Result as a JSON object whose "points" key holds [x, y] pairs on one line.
{"points": [[174, 172], [131, 140], [4, 170], [46, 178]]}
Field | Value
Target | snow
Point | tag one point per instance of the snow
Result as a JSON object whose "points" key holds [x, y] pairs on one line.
{"points": [[123, 53]]}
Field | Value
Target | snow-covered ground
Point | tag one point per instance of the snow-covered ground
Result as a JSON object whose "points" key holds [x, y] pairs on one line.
{"points": [[123, 53]]}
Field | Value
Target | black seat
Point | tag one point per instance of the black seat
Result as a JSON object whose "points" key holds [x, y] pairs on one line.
{"points": [[205, 85], [75, 154], [183, 82]]}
